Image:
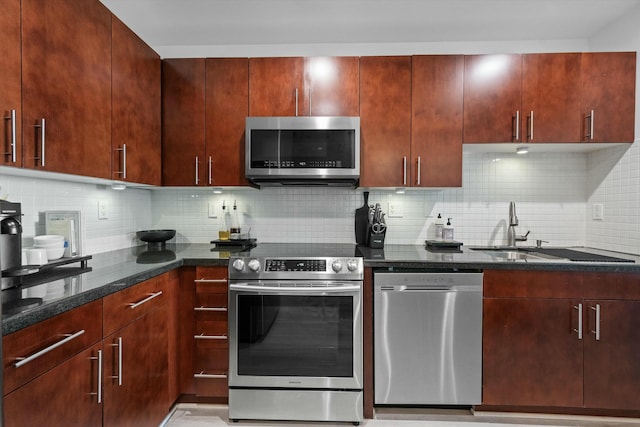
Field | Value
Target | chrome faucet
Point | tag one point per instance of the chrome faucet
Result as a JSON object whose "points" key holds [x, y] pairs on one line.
{"points": [[511, 231]]}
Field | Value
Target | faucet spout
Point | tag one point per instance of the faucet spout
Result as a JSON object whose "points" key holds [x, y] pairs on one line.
{"points": [[513, 218]]}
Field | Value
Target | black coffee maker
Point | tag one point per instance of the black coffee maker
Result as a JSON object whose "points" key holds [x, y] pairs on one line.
{"points": [[10, 241]]}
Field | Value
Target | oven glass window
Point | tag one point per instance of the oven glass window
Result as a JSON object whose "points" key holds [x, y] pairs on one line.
{"points": [[280, 149], [310, 336]]}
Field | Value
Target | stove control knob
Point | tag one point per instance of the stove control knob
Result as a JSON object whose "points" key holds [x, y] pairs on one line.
{"points": [[352, 265], [254, 265], [336, 266], [238, 265]]}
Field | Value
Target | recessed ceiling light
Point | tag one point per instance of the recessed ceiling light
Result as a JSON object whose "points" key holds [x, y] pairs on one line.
{"points": [[522, 150], [118, 186]]}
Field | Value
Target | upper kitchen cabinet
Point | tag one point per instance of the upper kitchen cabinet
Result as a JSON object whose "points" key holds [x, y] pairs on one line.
{"points": [[316, 86], [492, 98], [66, 86], [385, 121], [10, 83], [333, 86], [436, 120], [227, 106], [135, 112], [551, 101], [183, 121], [276, 87], [608, 96]]}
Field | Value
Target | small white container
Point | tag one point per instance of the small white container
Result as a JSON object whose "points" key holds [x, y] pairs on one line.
{"points": [[37, 256], [48, 239], [447, 231]]}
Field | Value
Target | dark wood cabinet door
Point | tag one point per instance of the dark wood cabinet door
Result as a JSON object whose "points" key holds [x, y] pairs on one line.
{"points": [[66, 76], [385, 121], [183, 122], [492, 98], [141, 398], [611, 369], [531, 354], [333, 86], [135, 124], [436, 120], [608, 96], [64, 396], [551, 97], [227, 106], [273, 84], [10, 84]]}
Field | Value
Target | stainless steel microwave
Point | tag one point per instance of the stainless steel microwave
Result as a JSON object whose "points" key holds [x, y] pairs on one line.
{"points": [[302, 151]]}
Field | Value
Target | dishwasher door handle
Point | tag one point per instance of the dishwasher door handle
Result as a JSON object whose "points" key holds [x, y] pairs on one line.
{"points": [[404, 288]]}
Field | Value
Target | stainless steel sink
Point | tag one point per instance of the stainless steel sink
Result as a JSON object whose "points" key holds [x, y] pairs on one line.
{"points": [[511, 253]]}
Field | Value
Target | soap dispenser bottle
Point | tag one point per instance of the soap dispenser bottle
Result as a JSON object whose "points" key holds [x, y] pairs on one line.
{"points": [[447, 231], [439, 227]]}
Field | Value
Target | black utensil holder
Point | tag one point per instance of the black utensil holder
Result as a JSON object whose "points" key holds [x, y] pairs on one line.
{"points": [[376, 240]]}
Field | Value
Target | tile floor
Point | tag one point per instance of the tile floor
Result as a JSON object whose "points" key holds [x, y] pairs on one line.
{"points": [[195, 415]]}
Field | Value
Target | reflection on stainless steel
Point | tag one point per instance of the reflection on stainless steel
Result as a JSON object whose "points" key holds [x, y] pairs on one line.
{"points": [[295, 325], [428, 338]]}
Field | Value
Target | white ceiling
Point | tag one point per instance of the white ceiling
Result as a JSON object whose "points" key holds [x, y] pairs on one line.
{"points": [[165, 23]]}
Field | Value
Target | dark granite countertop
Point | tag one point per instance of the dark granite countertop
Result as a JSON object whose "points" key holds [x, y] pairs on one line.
{"points": [[46, 295]]}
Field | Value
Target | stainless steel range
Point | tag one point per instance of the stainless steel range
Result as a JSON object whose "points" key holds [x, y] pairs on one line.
{"points": [[295, 338]]}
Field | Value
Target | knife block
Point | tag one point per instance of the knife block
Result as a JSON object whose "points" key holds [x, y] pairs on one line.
{"points": [[376, 240]]}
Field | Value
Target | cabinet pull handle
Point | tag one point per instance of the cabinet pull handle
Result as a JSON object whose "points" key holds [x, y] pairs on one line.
{"points": [[123, 172], [418, 180], [210, 376], [210, 171], [68, 337], [119, 375], [309, 102], [597, 331], [579, 330], [210, 281], [590, 119], [12, 118], [210, 308], [197, 172], [147, 299], [99, 391], [202, 336], [43, 134], [296, 99], [530, 127], [404, 170], [516, 128]]}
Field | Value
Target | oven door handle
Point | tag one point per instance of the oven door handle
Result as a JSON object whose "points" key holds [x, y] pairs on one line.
{"points": [[294, 289]]}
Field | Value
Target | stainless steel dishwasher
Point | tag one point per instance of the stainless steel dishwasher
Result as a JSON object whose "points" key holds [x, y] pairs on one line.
{"points": [[428, 338]]}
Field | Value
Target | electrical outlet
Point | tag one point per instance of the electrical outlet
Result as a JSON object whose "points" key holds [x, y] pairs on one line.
{"points": [[102, 210], [212, 210], [597, 211], [395, 209]]}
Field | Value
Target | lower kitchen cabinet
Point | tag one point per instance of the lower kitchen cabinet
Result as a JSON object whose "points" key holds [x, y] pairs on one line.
{"points": [[561, 340], [211, 342], [135, 374]]}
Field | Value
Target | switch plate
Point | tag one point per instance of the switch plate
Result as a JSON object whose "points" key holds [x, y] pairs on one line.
{"points": [[212, 210], [597, 211], [102, 210], [395, 209]]}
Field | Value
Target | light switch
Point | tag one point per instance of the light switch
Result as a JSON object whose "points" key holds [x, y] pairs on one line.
{"points": [[395, 209], [597, 211], [102, 210], [212, 210]]}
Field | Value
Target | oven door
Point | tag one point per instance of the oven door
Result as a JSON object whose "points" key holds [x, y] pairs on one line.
{"points": [[295, 335]]}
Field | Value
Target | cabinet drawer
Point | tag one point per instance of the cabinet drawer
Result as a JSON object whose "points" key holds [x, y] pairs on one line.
{"points": [[216, 286], [212, 301], [211, 384], [532, 284], [211, 273], [132, 303], [210, 359], [40, 347]]}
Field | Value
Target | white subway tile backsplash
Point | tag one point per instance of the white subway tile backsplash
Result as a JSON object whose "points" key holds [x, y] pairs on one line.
{"points": [[553, 192]]}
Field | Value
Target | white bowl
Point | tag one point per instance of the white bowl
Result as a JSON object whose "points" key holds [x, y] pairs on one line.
{"points": [[49, 245], [46, 239], [54, 253]]}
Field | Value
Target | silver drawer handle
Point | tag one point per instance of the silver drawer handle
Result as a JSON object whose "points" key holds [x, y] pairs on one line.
{"points": [[12, 117], [210, 376], [210, 308], [596, 332], [202, 336], [119, 376], [579, 330], [68, 337], [147, 299], [210, 280]]}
